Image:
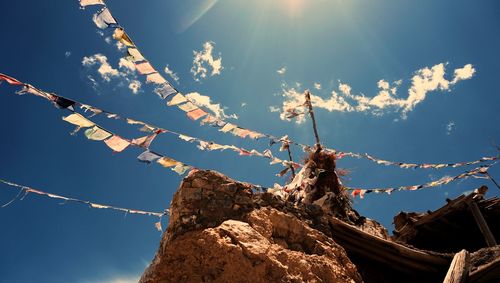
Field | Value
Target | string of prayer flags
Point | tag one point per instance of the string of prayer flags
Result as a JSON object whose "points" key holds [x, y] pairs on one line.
{"points": [[179, 98], [403, 165], [104, 19], [28, 190], [475, 173]]}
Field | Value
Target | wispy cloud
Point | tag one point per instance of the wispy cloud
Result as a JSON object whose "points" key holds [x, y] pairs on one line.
{"points": [[317, 86], [67, 54], [281, 71], [171, 74], [135, 86], [385, 101], [115, 279], [125, 73], [104, 69], [450, 127], [204, 60], [205, 101]]}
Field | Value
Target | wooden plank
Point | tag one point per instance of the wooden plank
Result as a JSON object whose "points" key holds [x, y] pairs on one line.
{"points": [[486, 273], [483, 226], [459, 268], [386, 252]]}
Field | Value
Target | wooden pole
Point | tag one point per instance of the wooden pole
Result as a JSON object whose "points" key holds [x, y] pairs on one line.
{"points": [[459, 268], [291, 161], [483, 226], [311, 113]]}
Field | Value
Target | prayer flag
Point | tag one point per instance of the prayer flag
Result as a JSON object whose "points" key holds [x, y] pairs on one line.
{"points": [[165, 90], [188, 106], [84, 3], [144, 141], [135, 54], [148, 156], [78, 120], [121, 36], [209, 119], [145, 68], [117, 144], [186, 138], [196, 114], [227, 127], [10, 80], [177, 99], [63, 103], [167, 162], [181, 168], [97, 134], [104, 19], [158, 226], [155, 78]]}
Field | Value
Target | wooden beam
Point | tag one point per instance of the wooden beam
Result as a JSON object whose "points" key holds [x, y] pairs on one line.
{"points": [[483, 226], [486, 273], [459, 268]]}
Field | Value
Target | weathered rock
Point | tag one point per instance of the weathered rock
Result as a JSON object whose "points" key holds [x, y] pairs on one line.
{"points": [[220, 231]]}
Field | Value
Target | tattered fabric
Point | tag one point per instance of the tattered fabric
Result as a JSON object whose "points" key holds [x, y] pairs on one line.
{"points": [[104, 19], [135, 54], [196, 114], [165, 90], [63, 103], [188, 106], [78, 120], [97, 134], [10, 80], [155, 78], [121, 36], [177, 99], [117, 144], [167, 162], [145, 68], [148, 156], [84, 3]]}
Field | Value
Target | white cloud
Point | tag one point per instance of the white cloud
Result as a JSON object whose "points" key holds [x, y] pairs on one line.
{"points": [[203, 60], [450, 127], [134, 86], [120, 46], [105, 69], [126, 64], [464, 73], [205, 101], [108, 40], [67, 54], [171, 73], [317, 86], [243, 104], [281, 71], [115, 279], [274, 109], [386, 100], [125, 74]]}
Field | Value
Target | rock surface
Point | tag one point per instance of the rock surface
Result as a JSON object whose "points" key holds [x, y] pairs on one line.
{"points": [[220, 230]]}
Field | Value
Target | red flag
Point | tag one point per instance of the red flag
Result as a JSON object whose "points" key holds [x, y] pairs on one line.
{"points": [[10, 80]]}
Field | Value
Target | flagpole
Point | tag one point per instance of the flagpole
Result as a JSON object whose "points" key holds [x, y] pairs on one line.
{"points": [[311, 113]]}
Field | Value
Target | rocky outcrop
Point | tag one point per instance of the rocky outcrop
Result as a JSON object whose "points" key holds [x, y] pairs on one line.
{"points": [[221, 230]]}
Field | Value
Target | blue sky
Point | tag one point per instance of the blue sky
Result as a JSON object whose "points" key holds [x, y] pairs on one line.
{"points": [[357, 43]]}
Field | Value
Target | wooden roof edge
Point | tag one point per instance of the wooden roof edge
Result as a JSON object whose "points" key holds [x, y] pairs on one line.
{"points": [[486, 272], [386, 252], [450, 207]]}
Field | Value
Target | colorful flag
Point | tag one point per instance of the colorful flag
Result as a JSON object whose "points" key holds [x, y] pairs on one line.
{"points": [[196, 114], [97, 134], [117, 144], [10, 80], [145, 68], [104, 19], [177, 99], [148, 156]]}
